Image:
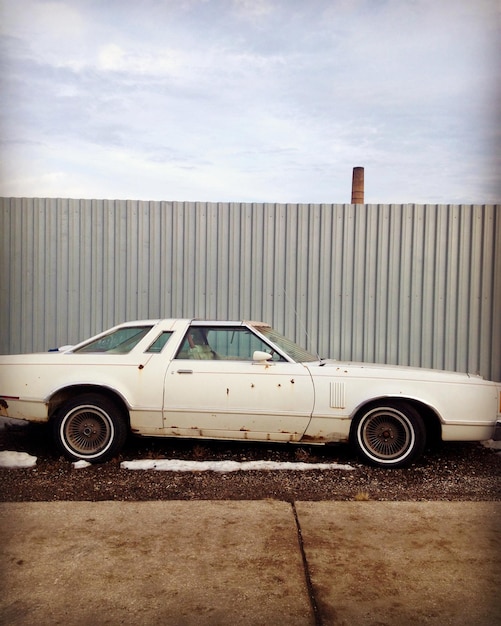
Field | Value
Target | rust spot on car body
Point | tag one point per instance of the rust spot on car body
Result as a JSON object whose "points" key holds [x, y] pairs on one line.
{"points": [[311, 439], [328, 438]]}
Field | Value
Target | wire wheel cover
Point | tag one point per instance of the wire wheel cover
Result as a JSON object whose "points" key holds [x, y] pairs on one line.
{"points": [[88, 430], [386, 433]]}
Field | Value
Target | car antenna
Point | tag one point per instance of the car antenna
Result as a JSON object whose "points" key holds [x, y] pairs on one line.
{"points": [[303, 327]]}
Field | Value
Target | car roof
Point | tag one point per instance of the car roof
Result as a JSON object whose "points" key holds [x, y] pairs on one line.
{"points": [[196, 321]]}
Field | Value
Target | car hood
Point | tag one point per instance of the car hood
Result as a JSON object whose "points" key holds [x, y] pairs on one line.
{"points": [[382, 370]]}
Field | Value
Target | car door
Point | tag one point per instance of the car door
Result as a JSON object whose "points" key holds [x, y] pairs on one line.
{"points": [[214, 388]]}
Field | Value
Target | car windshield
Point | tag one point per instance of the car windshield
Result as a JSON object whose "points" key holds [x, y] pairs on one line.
{"points": [[119, 341], [298, 354]]}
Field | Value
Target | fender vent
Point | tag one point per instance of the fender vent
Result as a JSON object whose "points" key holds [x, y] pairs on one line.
{"points": [[338, 396]]}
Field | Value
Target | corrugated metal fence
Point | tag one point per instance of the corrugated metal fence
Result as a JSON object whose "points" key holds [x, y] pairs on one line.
{"points": [[407, 284]]}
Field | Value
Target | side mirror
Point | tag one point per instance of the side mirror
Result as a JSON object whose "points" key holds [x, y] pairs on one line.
{"points": [[260, 356]]}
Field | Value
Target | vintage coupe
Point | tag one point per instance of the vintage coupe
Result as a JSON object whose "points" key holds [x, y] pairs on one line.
{"points": [[238, 380]]}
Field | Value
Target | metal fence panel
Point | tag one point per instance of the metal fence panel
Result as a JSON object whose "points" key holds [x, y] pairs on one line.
{"points": [[406, 284]]}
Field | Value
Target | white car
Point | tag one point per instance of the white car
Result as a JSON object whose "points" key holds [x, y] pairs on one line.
{"points": [[238, 380]]}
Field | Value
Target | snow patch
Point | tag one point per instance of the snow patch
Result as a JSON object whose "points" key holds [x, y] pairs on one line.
{"points": [[17, 459], [8, 421], [81, 464], [174, 465], [493, 445]]}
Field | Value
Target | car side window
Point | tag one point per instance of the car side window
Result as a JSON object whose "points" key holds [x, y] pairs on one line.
{"points": [[220, 343], [119, 341], [159, 343]]}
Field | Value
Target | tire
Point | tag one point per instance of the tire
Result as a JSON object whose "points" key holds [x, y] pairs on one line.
{"points": [[389, 434], [91, 427]]}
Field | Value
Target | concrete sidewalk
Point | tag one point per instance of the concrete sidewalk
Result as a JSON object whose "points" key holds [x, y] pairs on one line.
{"points": [[259, 562]]}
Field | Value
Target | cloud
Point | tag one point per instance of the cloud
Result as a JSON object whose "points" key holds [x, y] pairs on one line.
{"points": [[113, 58], [267, 100]]}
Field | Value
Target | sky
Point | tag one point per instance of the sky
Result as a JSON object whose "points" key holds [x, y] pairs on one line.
{"points": [[251, 100]]}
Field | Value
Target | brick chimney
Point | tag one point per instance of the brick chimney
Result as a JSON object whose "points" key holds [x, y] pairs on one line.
{"points": [[357, 186]]}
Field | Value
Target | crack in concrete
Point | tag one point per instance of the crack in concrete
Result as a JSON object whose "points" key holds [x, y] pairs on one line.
{"points": [[306, 569]]}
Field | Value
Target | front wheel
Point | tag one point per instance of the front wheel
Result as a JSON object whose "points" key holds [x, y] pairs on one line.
{"points": [[90, 427], [390, 434]]}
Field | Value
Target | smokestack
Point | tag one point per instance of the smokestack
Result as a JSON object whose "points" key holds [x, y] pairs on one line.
{"points": [[357, 186]]}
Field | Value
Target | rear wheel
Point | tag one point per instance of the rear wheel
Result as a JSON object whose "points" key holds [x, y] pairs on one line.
{"points": [[390, 434], [91, 427]]}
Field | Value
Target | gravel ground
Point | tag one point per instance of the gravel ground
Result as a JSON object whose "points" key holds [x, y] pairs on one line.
{"points": [[452, 472]]}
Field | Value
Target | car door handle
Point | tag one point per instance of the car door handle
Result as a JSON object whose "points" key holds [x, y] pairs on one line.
{"points": [[185, 371]]}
